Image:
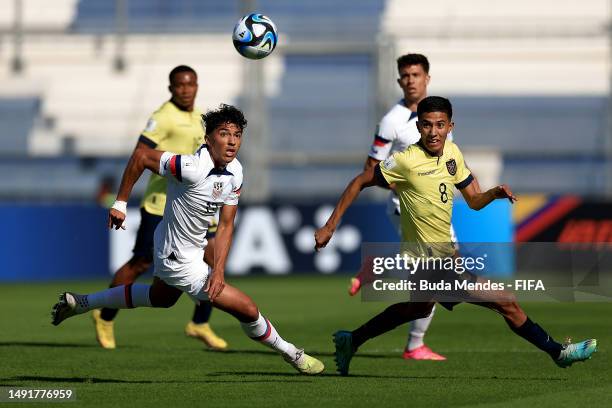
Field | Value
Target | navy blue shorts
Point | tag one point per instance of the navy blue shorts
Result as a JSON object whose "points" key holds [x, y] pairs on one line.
{"points": [[144, 237], [447, 298]]}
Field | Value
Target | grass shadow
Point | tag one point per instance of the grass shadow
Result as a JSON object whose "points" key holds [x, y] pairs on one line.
{"points": [[97, 380], [402, 377], [45, 344], [310, 352]]}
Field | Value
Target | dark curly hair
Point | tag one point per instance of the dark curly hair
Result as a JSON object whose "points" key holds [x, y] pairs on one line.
{"points": [[223, 114]]}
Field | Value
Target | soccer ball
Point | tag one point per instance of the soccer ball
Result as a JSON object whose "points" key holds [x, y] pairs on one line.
{"points": [[255, 36]]}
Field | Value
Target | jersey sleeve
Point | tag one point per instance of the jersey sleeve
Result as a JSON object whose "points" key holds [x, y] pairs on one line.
{"points": [[393, 169], [181, 168], [383, 140], [155, 131], [463, 176], [234, 196]]}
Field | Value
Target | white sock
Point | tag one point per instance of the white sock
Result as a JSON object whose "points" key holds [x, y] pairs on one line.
{"points": [[120, 297], [262, 330], [417, 331]]}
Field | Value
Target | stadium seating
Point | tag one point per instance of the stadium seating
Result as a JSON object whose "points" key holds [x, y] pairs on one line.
{"points": [[39, 15], [323, 105], [528, 80], [318, 18], [64, 178], [529, 125], [102, 110], [17, 116]]}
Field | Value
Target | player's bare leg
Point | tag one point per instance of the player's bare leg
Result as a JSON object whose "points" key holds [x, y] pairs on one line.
{"points": [[131, 270], [127, 274], [259, 328], [162, 295], [198, 327], [522, 325]]}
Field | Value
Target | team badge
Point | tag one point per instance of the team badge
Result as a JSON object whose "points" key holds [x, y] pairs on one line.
{"points": [[451, 166], [217, 190]]}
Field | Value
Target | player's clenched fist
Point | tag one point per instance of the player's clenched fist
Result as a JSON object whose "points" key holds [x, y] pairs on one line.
{"points": [[116, 215], [322, 236], [504, 191]]}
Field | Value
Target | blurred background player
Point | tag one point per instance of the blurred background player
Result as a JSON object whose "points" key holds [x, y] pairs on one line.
{"points": [[396, 131], [176, 126]]}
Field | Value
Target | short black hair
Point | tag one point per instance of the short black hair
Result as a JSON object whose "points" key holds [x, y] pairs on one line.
{"points": [[413, 59], [435, 104], [179, 69], [223, 114]]}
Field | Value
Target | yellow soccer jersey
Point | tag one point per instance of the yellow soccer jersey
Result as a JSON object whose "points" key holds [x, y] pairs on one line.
{"points": [[174, 130], [424, 184]]}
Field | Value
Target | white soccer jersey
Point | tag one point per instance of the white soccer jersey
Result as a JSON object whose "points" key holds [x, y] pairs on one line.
{"points": [[396, 131], [196, 190]]}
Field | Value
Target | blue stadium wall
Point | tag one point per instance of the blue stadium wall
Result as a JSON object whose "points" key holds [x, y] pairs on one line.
{"points": [[71, 242]]}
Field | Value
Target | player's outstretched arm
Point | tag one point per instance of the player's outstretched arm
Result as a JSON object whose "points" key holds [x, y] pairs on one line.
{"points": [[142, 158], [372, 162], [369, 177], [477, 200], [223, 241]]}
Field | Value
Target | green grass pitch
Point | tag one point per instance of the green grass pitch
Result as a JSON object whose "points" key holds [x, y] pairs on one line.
{"points": [[156, 365]]}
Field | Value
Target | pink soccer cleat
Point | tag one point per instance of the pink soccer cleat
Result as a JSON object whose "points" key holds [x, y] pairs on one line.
{"points": [[363, 277], [422, 353], [354, 286]]}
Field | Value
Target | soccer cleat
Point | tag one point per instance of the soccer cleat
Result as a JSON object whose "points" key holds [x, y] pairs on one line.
{"points": [[204, 332], [343, 340], [104, 330], [354, 287], [422, 353], [572, 353], [304, 363], [69, 304]]}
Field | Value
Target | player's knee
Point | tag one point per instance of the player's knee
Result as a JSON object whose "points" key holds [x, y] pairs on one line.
{"points": [[250, 311], [510, 309]]}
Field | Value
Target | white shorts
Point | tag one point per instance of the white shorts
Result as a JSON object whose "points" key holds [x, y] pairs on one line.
{"points": [[189, 277]]}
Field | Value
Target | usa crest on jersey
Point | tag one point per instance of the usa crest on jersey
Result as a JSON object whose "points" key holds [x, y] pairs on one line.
{"points": [[217, 190]]}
